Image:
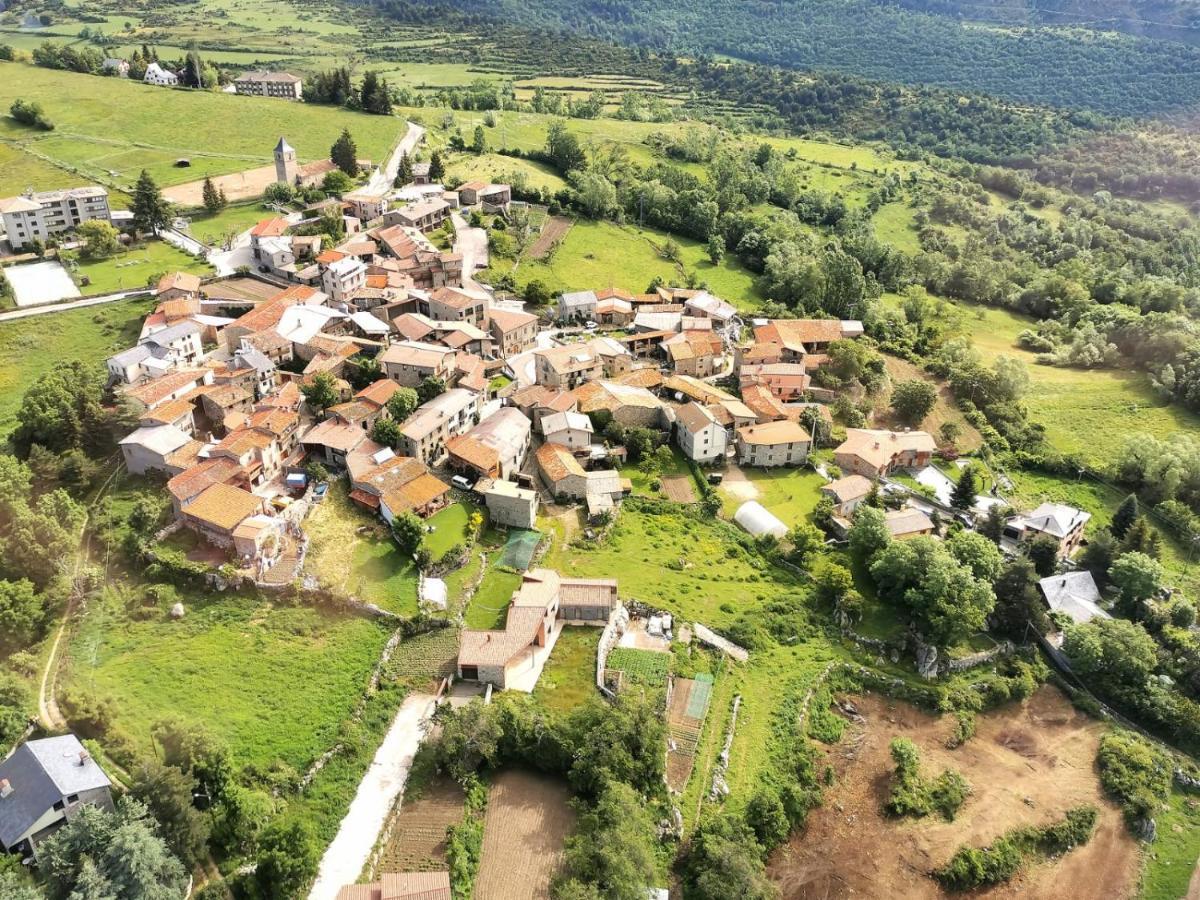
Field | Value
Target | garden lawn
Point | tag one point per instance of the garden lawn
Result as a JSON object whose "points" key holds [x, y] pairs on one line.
{"points": [[570, 674], [212, 229], [31, 347], [488, 609], [450, 528], [367, 565], [275, 683], [690, 566], [596, 255], [496, 168], [1170, 860], [791, 494], [641, 481], [136, 269]]}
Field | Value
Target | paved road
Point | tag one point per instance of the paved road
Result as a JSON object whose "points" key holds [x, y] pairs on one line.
{"points": [[381, 179], [377, 793], [472, 243], [74, 304]]}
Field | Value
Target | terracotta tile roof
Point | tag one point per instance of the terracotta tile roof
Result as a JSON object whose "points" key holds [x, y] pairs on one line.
{"points": [[763, 403], [906, 521], [474, 372], [267, 315], [276, 421], [193, 481], [287, 396], [379, 392], [506, 320], [336, 434], [614, 294], [849, 488], [325, 257], [613, 396], [473, 452], [772, 433], [415, 493], [273, 227], [879, 447], [696, 389], [455, 299], [409, 353], [179, 308], [167, 413], [694, 417], [154, 392], [647, 378], [797, 334], [178, 281], [223, 506], [557, 463]]}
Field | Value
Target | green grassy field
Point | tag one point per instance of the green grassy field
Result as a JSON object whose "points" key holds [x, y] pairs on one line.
{"points": [[791, 494], [212, 229], [894, 223], [30, 347], [570, 674], [449, 528], [682, 564], [273, 682], [641, 481], [488, 609], [1085, 412], [1170, 860], [112, 128], [493, 167], [602, 254], [136, 268]]}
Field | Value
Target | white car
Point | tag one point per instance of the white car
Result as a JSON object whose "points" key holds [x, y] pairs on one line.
{"points": [[462, 483]]}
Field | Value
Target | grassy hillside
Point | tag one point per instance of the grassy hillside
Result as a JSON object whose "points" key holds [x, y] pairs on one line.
{"points": [[108, 129]]}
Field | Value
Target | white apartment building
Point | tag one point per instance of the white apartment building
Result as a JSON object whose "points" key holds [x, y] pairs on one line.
{"points": [[342, 279], [424, 434], [280, 85], [38, 216]]}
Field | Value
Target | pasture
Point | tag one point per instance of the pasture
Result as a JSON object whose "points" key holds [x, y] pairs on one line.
{"points": [[31, 347], [135, 269], [275, 683]]}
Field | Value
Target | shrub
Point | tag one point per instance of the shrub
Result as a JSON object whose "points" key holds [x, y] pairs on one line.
{"points": [[1134, 772], [964, 728], [913, 795]]}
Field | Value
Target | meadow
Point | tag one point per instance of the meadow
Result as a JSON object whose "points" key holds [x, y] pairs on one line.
{"points": [[135, 269], [31, 347], [1086, 412], [274, 682], [791, 494], [112, 128], [570, 674], [602, 254]]}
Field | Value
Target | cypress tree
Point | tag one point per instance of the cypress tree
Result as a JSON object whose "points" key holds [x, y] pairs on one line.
{"points": [[1125, 516], [150, 210], [344, 154], [966, 490]]}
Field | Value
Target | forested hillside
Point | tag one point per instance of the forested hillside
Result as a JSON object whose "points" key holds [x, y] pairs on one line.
{"points": [[1107, 72], [1172, 20]]}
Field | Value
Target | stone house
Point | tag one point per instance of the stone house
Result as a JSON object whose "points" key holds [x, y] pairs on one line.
{"points": [[773, 444]]}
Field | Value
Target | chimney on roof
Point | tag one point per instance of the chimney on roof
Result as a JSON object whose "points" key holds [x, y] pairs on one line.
{"points": [[84, 757], [6, 789]]}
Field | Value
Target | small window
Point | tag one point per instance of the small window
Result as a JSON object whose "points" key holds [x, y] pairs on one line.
{"points": [[74, 798], [59, 805]]}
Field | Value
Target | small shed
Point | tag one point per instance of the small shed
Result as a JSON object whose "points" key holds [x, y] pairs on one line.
{"points": [[758, 520]]}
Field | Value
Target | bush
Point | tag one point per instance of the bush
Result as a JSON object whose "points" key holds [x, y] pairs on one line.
{"points": [[964, 728], [1135, 773], [913, 795]]}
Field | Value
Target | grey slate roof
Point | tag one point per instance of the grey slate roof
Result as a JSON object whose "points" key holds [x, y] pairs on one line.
{"points": [[41, 773], [166, 336], [1074, 593], [132, 356], [255, 359]]}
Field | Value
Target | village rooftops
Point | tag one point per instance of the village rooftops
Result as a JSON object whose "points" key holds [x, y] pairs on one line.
{"points": [[401, 886], [40, 774], [33, 201], [336, 434], [224, 506], [901, 522], [563, 421], [879, 447], [612, 395], [1055, 519], [557, 462], [510, 320], [430, 415], [264, 75], [696, 389], [774, 433], [694, 417], [152, 393], [577, 300], [800, 335], [159, 439], [710, 306], [178, 281], [453, 298], [418, 355], [852, 487], [1075, 594], [268, 228], [202, 475]]}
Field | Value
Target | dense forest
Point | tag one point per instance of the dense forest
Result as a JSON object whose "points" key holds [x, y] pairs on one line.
{"points": [[1101, 71]]}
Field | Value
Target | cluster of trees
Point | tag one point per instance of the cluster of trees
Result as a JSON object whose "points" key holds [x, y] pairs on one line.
{"points": [[336, 87], [30, 112]]}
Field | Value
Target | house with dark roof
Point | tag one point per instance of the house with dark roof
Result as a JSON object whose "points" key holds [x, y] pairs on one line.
{"points": [[43, 785]]}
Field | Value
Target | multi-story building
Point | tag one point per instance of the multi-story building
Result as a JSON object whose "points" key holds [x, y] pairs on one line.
{"points": [[423, 436], [38, 216], [514, 332], [773, 444], [280, 85], [342, 279], [449, 304], [409, 362]]}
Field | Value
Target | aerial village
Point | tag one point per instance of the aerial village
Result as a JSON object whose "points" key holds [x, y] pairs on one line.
{"points": [[251, 406]]}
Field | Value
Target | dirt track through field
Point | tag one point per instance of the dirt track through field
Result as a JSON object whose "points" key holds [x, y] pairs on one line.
{"points": [[1027, 765], [553, 231], [528, 819]]}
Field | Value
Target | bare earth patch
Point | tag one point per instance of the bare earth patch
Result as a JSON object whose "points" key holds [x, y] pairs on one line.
{"points": [[418, 838], [1027, 765], [737, 485], [678, 488], [528, 819], [553, 231]]}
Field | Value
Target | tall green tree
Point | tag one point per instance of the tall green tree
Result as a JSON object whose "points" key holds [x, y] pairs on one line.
{"points": [[150, 209], [213, 199], [344, 153], [404, 171], [321, 392], [1127, 513], [437, 168], [193, 70], [22, 612], [99, 854], [613, 848], [167, 793], [287, 861], [1018, 602], [409, 531], [964, 493], [402, 403], [479, 141]]}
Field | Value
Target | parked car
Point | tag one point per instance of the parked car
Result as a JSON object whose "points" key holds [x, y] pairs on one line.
{"points": [[462, 483]]}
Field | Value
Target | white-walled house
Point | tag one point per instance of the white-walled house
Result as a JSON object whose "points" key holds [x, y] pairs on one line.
{"points": [[701, 437], [570, 429], [156, 74]]}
